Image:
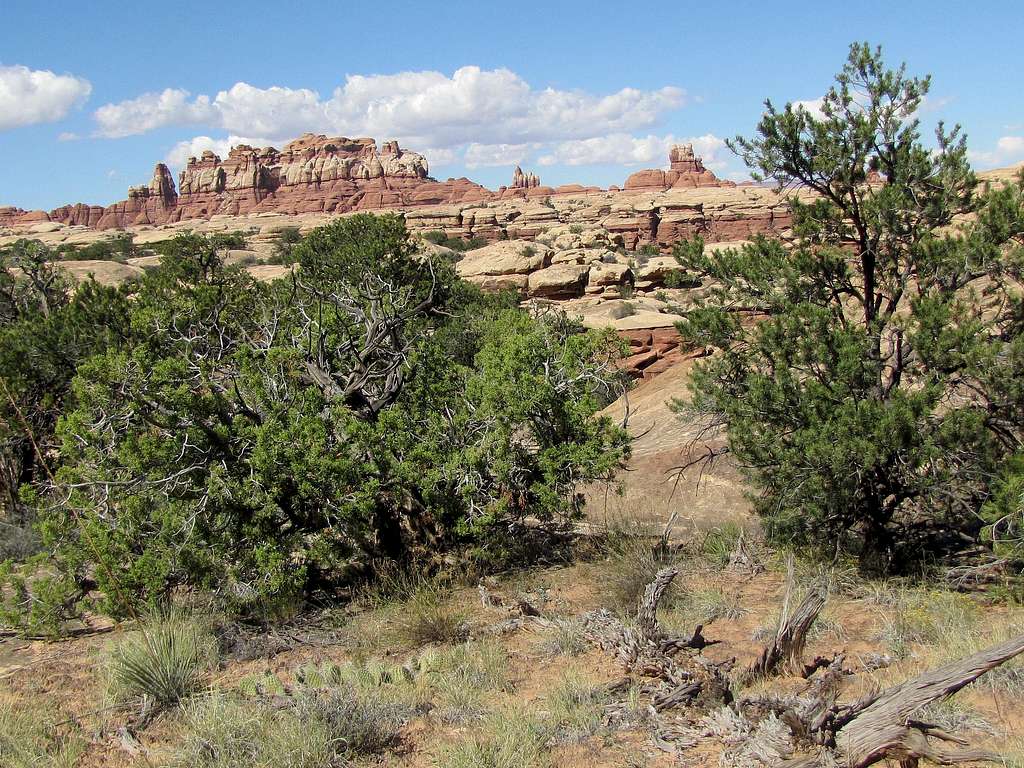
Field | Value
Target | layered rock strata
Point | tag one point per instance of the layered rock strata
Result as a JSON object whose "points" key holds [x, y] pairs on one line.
{"points": [[522, 180], [313, 174], [317, 174]]}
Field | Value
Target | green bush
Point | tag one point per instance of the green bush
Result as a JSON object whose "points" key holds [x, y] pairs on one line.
{"points": [[183, 244], [438, 237], [254, 439], [1004, 511], [284, 246], [117, 248], [47, 320]]}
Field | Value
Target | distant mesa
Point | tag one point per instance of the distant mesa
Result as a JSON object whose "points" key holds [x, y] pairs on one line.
{"points": [[685, 170], [321, 174]]}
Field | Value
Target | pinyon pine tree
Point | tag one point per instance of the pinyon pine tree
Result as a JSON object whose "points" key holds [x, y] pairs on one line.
{"points": [[871, 373]]}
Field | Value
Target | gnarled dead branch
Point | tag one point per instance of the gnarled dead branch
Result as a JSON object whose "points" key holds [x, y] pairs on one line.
{"points": [[886, 728], [786, 648]]}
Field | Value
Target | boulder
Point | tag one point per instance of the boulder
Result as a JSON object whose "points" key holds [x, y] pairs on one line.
{"points": [[610, 274], [104, 272], [657, 269], [508, 257], [497, 283], [558, 281]]}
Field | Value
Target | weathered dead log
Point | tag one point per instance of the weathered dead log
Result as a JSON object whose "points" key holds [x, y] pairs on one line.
{"points": [[886, 729], [696, 642], [647, 611], [786, 648], [683, 694]]}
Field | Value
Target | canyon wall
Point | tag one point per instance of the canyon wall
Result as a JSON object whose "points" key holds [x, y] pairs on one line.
{"points": [[317, 174]]}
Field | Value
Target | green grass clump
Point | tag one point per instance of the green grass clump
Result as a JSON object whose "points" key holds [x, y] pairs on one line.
{"points": [[702, 606], [926, 617], [462, 677], [719, 543], [509, 739], [165, 661], [576, 708], [320, 728], [430, 616], [25, 742], [357, 724], [223, 732]]}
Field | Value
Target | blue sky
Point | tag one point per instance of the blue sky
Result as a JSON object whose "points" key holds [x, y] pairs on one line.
{"points": [[93, 94]]}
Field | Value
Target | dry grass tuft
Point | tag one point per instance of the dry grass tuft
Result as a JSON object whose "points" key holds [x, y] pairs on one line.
{"points": [[508, 739], [576, 708], [25, 742], [462, 677], [223, 732], [429, 615], [566, 639], [633, 559]]}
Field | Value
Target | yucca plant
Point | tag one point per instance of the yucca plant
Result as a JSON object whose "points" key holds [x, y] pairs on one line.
{"points": [[165, 661]]}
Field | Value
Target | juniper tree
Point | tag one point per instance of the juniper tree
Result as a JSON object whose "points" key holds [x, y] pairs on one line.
{"points": [[869, 372], [270, 441], [47, 326]]}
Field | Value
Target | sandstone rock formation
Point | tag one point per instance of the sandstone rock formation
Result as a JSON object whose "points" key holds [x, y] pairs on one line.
{"points": [[522, 180], [685, 170], [313, 174], [317, 174]]}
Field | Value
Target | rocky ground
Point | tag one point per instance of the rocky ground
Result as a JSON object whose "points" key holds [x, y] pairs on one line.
{"points": [[460, 676]]}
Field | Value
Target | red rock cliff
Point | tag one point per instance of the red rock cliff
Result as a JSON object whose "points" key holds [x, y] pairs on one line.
{"points": [[685, 170], [312, 174]]}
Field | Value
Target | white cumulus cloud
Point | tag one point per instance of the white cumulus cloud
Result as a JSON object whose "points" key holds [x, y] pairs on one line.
{"points": [[30, 96], [479, 155], [491, 107], [811, 106], [1008, 150], [624, 149], [152, 110]]}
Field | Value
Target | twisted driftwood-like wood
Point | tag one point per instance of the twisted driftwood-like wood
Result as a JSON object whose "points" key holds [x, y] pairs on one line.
{"points": [[858, 734], [787, 647], [886, 727]]}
